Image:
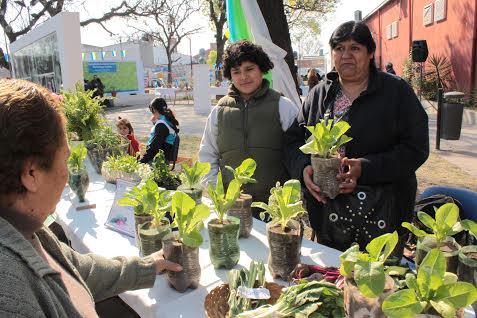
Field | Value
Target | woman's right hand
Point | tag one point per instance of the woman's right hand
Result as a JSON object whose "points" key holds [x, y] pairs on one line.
{"points": [[313, 188]]}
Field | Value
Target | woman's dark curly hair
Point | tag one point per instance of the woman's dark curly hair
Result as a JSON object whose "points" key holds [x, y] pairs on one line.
{"points": [[32, 126], [245, 51]]}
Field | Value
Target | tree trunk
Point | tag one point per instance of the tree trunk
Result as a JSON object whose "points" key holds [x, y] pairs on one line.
{"points": [[274, 14], [169, 68], [220, 40]]}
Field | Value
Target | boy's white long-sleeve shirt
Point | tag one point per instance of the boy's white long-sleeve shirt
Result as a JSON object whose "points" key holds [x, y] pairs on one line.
{"points": [[209, 150]]}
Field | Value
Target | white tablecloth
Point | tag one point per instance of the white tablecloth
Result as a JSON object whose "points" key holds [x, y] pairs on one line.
{"points": [[86, 230]]}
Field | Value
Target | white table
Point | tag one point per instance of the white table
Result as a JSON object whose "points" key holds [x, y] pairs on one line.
{"points": [[88, 234]]}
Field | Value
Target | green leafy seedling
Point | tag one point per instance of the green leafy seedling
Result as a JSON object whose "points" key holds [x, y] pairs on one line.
{"points": [[222, 200], [445, 224], [76, 158], [243, 173], [432, 288], [367, 268], [326, 138], [147, 198], [284, 203], [188, 218], [192, 175]]}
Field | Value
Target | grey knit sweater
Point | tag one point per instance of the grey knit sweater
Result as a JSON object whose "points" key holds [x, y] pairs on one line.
{"points": [[30, 288]]}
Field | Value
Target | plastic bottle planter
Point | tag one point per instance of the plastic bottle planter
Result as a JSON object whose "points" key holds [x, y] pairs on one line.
{"points": [[150, 237], [224, 248], [449, 247], [188, 258], [243, 212], [140, 219], [111, 176], [79, 182], [98, 156], [195, 194], [357, 305], [324, 175], [284, 249], [467, 271]]}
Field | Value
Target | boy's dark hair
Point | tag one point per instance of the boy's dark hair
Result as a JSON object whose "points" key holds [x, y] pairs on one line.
{"points": [[245, 51], [126, 123]]}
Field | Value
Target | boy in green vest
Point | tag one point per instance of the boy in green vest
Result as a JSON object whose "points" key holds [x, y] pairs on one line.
{"points": [[249, 122]]}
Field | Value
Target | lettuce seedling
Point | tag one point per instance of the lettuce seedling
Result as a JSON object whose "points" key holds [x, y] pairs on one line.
{"points": [[147, 198], [326, 138], [284, 203], [367, 269], [445, 224], [243, 173], [192, 175], [188, 218], [432, 288], [222, 200]]}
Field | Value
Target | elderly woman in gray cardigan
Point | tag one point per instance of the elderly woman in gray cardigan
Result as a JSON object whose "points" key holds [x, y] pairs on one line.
{"points": [[41, 277]]}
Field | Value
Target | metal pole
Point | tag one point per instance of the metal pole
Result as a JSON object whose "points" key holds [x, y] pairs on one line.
{"points": [[440, 100]]}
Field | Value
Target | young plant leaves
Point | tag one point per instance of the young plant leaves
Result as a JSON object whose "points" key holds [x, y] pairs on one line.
{"points": [[403, 304]]}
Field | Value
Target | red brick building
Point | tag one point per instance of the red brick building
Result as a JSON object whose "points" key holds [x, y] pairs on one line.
{"points": [[448, 26]]}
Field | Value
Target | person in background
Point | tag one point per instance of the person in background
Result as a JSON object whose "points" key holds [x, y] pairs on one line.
{"points": [[97, 84], [390, 142], [164, 132], [249, 121], [390, 69], [40, 276], [313, 78], [126, 130]]}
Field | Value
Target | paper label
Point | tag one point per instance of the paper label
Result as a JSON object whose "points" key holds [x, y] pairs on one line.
{"points": [[253, 293]]}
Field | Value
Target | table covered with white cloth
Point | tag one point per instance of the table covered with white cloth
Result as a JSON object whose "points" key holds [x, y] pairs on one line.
{"points": [[87, 233]]}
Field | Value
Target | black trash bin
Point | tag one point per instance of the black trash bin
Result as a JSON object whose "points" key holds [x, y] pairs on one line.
{"points": [[451, 115]]}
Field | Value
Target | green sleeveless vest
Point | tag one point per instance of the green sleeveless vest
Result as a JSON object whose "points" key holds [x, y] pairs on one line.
{"points": [[252, 129]]}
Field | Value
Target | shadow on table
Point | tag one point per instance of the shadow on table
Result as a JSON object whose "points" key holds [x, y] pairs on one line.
{"points": [[82, 222], [256, 249]]}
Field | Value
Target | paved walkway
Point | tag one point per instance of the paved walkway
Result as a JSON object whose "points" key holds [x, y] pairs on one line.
{"points": [[462, 153], [139, 116]]}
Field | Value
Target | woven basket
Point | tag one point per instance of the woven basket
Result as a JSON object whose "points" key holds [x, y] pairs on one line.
{"points": [[216, 302]]}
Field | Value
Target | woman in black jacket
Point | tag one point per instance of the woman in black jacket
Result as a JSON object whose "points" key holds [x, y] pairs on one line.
{"points": [[390, 135], [163, 134]]}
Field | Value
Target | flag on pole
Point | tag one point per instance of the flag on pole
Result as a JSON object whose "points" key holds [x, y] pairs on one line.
{"points": [[246, 22], [103, 54], [82, 56], [123, 53], [93, 56], [113, 53]]}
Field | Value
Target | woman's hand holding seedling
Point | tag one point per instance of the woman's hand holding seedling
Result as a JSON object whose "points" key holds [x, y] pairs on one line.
{"points": [[311, 186]]}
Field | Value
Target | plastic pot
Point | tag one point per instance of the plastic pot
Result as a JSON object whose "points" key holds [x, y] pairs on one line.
{"points": [[449, 248], [79, 182], [324, 175], [243, 211], [357, 305], [467, 271], [224, 249], [285, 248], [188, 258], [111, 176], [99, 155], [195, 194], [140, 219], [150, 236]]}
